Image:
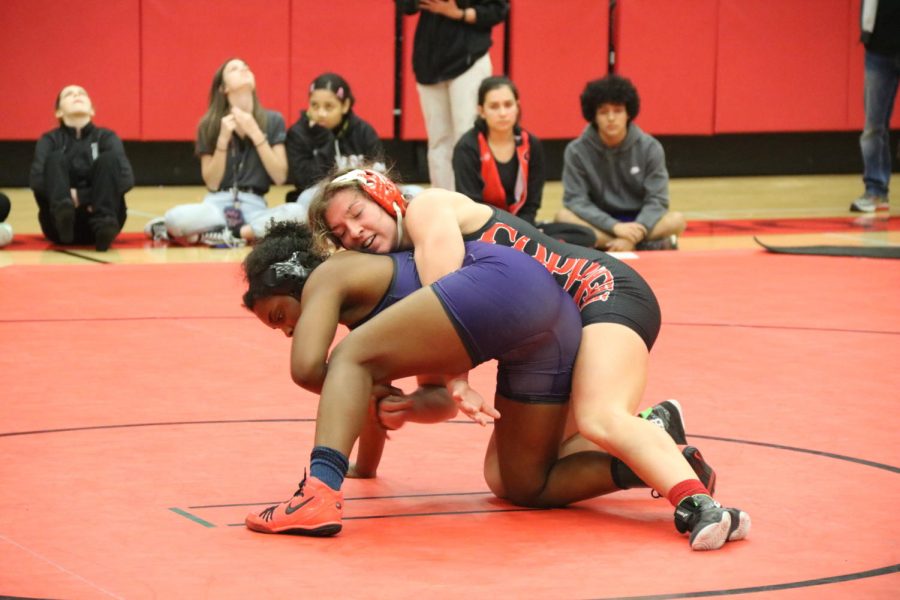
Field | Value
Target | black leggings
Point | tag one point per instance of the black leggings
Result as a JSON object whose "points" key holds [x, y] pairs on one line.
{"points": [[4, 207], [106, 204]]}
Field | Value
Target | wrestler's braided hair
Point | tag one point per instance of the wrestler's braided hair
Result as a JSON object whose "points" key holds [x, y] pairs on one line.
{"points": [[280, 262]]}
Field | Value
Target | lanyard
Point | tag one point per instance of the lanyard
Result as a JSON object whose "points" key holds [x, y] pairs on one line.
{"points": [[237, 164]]}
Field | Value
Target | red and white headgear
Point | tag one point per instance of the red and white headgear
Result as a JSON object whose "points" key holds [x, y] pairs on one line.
{"points": [[382, 191]]}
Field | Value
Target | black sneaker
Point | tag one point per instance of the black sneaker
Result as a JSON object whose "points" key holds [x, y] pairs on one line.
{"points": [[104, 233], [64, 220], [667, 416], [709, 524], [705, 473], [666, 243]]}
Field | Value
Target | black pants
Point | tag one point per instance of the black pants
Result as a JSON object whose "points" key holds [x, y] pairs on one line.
{"points": [[4, 207], [98, 204]]}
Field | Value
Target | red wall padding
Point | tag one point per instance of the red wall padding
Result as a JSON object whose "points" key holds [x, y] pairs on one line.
{"points": [[412, 124], [358, 44], [701, 66], [668, 50], [185, 42], [46, 45], [554, 50], [782, 66]]}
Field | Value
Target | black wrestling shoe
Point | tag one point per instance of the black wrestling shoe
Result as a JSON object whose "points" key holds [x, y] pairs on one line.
{"points": [[625, 478], [740, 524], [710, 525], [667, 415], [705, 473]]}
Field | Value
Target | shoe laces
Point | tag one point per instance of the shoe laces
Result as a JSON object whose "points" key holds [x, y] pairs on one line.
{"points": [[302, 485], [267, 513]]}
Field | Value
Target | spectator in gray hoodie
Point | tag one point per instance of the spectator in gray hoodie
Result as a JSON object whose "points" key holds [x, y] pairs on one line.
{"points": [[614, 175]]}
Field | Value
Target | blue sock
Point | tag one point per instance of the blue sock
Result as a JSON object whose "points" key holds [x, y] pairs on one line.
{"points": [[329, 466]]}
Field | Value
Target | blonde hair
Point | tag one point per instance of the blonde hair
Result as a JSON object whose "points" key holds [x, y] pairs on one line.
{"points": [[326, 189]]}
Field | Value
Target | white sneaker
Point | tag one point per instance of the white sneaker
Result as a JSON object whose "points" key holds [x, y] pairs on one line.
{"points": [[155, 229], [222, 238], [6, 234], [869, 204]]}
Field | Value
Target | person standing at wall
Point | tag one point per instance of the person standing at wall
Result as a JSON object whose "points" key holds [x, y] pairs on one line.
{"points": [[880, 24], [79, 176], [614, 175], [450, 58]]}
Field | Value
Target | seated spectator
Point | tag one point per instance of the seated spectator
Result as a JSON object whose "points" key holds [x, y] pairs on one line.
{"points": [[6, 230], [497, 162], [241, 150], [329, 136], [79, 176], [614, 175]]}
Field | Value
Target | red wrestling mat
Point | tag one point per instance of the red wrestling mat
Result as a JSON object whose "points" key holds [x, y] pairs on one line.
{"points": [[145, 412], [857, 224], [36, 241]]}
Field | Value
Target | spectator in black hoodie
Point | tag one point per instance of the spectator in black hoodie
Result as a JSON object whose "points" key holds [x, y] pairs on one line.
{"points": [[328, 136], [80, 175]]}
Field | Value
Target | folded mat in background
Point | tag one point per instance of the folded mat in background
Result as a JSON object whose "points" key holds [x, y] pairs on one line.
{"points": [[862, 251]]}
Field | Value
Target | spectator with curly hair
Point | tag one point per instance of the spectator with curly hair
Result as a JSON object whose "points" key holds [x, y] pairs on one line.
{"points": [[614, 175]]}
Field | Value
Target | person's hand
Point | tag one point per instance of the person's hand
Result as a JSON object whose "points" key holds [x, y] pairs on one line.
{"points": [[226, 130], [632, 231], [472, 403], [246, 125], [446, 8], [392, 411], [620, 245], [355, 473], [318, 135]]}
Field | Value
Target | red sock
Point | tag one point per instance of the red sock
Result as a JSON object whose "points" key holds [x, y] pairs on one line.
{"points": [[686, 488]]}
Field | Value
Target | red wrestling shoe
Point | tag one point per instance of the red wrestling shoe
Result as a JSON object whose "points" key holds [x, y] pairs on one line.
{"points": [[314, 510]]}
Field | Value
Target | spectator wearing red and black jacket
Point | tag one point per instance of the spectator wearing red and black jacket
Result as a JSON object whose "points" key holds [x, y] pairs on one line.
{"points": [[497, 162]]}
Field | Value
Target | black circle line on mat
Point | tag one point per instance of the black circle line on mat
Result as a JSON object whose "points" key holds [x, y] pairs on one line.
{"points": [[355, 498], [433, 513], [766, 588], [785, 327], [249, 317], [115, 319], [170, 423], [860, 461], [701, 594]]}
